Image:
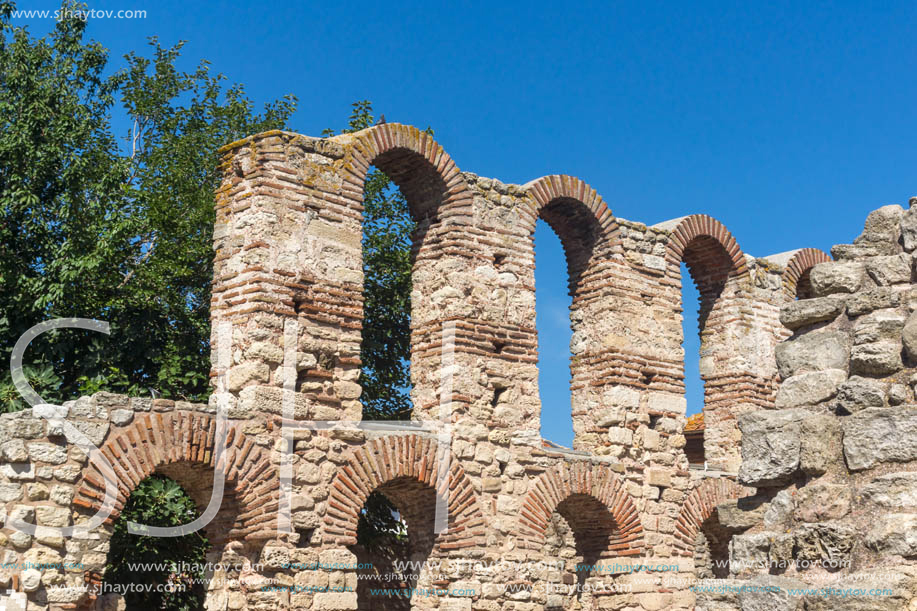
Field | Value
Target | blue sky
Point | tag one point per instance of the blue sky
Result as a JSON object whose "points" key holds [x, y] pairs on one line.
{"points": [[787, 121]]}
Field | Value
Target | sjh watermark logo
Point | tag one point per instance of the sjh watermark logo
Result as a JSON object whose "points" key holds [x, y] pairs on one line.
{"points": [[56, 414]]}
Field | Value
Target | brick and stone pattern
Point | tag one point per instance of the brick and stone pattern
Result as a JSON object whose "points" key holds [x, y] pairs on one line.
{"points": [[834, 461], [287, 317]]}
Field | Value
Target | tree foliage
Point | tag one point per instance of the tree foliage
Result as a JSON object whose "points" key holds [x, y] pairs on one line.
{"points": [[385, 350], [176, 563], [117, 229], [115, 223]]}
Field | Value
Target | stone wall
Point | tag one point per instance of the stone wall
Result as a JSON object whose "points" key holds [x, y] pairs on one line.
{"points": [[287, 313], [835, 463]]}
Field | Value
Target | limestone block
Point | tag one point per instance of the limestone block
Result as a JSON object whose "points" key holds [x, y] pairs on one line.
{"points": [[894, 269], [14, 451], [30, 580], [804, 312], [815, 351], [879, 435], [748, 552], [882, 227], [823, 543], [909, 336], [335, 601], [264, 352], [820, 445], [892, 490], [877, 359], [741, 514], [770, 446], [10, 492], [667, 402], [53, 516], [894, 533], [809, 388], [121, 417], [859, 393], [871, 300], [47, 452], [770, 593], [19, 471], [820, 501], [859, 597], [879, 326], [251, 371], [833, 277], [779, 510]]}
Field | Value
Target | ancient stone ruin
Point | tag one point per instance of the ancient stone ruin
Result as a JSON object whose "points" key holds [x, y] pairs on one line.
{"points": [[809, 429]]}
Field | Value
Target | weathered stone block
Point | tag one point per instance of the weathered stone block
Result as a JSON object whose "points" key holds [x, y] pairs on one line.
{"points": [[860, 592], [859, 393], [821, 444], [825, 544], [815, 351], [871, 300], [894, 534], [804, 312], [741, 514], [771, 593], [770, 446], [833, 277], [251, 371], [894, 269], [877, 359], [809, 388], [878, 326], [879, 435], [909, 336], [892, 490], [820, 501]]}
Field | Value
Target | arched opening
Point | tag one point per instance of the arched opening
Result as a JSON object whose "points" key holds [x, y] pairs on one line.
{"points": [[711, 549], [559, 319], [395, 540], [706, 268], [552, 323], [385, 348], [172, 566], [578, 537], [183, 447], [804, 286]]}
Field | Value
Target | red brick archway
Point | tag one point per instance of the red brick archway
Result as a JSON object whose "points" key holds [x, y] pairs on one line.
{"points": [[697, 227], [699, 506], [796, 273], [427, 176], [599, 482], [580, 218], [409, 458], [154, 441]]}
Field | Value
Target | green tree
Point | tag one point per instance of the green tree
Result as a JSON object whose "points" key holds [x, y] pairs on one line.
{"points": [[98, 227], [176, 562], [385, 350]]}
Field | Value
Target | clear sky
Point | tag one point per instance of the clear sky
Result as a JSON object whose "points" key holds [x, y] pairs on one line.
{"points": [[787, 121]]}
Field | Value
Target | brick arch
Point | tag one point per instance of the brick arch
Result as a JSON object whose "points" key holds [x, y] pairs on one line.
{"points": [[699, 226], [429, 179], [409, 457], [155, 441], [578, 215], [599, 482], [699, 506], [797, 269]]}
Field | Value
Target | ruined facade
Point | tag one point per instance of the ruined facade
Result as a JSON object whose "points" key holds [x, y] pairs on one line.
{"points": [[808, 402]]}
